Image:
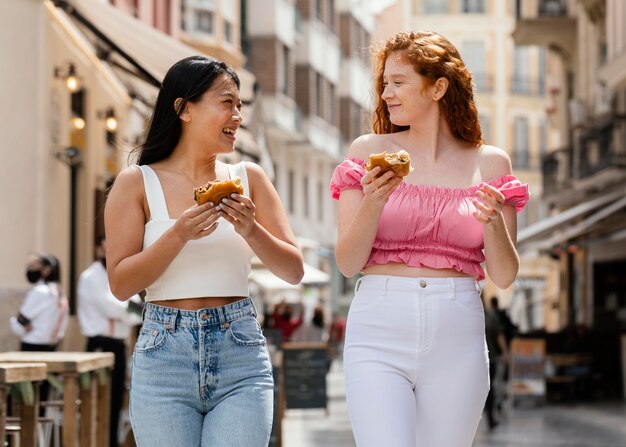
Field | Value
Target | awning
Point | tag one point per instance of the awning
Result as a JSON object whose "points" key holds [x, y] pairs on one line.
{"points": [[313, 277], [152, 49], [528, 238]]}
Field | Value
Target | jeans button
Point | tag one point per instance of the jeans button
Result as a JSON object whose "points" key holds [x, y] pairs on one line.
{"points": [[204, 317], [226, 325], [422, 283]]}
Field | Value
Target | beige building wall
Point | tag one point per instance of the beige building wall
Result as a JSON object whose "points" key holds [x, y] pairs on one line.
{"points": [[35, 184]]}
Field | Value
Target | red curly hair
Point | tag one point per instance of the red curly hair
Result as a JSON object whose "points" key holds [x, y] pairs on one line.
{"points": [[434, 57]]}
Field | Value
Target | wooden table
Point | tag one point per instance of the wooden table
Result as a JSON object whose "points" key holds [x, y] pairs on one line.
{"points": [[91, 368], [14, 373]]}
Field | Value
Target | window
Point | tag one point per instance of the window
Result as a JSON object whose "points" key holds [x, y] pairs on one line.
{"points": [[543, 140], [473, 6], [321, 200], [319, 88], [228, 31], [291, 185], [474, 56], [331, 104], [520, 84], [520, 132], [305, 189], [204, 21], [435, 6], [484, 127], [542, 71], [283, 70], [319, 13]]}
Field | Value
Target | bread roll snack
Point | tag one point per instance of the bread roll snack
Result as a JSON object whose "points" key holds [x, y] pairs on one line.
{"points": [[398, 162], [215, 191]]}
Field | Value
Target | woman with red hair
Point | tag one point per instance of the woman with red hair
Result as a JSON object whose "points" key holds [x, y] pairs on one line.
{"points": [[415, 358]]}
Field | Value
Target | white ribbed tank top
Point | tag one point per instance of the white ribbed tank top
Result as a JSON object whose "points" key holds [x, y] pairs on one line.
{"points": [[216, 265]]}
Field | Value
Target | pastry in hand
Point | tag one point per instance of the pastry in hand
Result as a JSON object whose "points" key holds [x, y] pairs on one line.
{"points": [[215, 191], [398, 162]]}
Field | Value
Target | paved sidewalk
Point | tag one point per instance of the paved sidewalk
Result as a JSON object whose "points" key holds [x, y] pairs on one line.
{"points": [[589, 425]]}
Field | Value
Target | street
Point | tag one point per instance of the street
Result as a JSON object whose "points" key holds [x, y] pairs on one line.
{"points": [[588, 425]]}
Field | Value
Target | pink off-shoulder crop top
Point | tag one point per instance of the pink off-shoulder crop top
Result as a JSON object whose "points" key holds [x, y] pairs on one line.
{"points": [[429, 226]]}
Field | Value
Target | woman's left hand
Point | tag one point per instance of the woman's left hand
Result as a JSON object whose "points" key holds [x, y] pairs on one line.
{"points": [[239, 211], [489, 204]]}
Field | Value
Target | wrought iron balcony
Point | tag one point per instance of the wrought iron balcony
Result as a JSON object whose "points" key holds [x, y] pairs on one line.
{"points": [[547, 23], [602, 147], [557, 171]]}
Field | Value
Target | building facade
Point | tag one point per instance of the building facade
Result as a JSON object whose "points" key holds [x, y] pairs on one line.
{"points": [[313, 81], [84, 96], [584, 175]]}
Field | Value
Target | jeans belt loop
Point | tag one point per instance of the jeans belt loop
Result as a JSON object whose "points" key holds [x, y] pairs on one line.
{"points": [[452, 285], [357, 284], [173, 317], [221, 316]]}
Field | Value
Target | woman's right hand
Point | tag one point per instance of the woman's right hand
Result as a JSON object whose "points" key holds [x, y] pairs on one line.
{"points": [[197, 222], [378, 188]]}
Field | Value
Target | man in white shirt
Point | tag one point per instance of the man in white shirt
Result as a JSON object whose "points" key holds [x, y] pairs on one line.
{"points": [[106, 322]]}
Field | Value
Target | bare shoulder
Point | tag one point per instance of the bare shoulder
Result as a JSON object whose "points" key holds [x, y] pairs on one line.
{"points": [[255, 172], [363, 146], [494, 162], [129, 180]]}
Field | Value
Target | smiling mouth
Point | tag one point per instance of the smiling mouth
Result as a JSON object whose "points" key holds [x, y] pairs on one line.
{"points": [[229, 131]]}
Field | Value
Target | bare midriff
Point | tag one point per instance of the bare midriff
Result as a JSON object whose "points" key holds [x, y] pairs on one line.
{"points": [[397, 269], [199, 303]]}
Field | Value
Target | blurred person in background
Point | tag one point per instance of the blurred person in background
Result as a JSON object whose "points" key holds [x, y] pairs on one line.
{"points": [[285, 321], [106, 322], [498, 359], [44, 314]]}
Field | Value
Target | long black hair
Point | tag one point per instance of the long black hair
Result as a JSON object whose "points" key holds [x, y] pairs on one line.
{"points": [[188, 79]]}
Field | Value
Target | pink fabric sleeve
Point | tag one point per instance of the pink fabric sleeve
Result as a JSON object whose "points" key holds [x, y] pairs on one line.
{"points": [[347, 175], [515, 194]]}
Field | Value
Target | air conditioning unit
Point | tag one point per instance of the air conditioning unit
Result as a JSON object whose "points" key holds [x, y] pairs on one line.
{"points": [[577, 112]]}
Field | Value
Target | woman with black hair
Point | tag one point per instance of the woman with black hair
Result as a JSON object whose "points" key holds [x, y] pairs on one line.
{"points": [[44, 314], [201, 372]]}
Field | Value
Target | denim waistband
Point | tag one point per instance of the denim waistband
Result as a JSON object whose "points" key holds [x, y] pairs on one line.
{"points": [[200, 317], [450, 285]]}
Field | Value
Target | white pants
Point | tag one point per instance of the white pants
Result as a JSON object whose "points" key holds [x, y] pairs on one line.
{"points": [[416, 363]]}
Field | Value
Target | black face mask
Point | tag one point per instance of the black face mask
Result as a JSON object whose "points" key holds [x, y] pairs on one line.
{"points": [[33, 276]]}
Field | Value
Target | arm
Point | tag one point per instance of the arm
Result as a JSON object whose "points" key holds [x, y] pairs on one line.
{"points": [[130, 268], [359, 213], [261, 220], [21, 323], [499, 221]]}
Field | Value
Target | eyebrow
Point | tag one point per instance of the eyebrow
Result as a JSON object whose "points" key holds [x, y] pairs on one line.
{"points": [[392, 75]]}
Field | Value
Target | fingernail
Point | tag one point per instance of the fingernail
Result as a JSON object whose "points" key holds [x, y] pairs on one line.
{"points": [[218, 207]]}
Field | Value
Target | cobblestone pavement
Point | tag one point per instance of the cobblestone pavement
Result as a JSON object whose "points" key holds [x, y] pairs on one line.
{"points": [[589, 425]]}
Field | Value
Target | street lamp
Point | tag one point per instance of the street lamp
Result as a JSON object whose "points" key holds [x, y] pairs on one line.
{"points": [[67, 72]]}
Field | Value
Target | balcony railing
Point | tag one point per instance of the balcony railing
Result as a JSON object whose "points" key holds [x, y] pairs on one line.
{"points": [[524, 86], [602, 147], [483, 83], [557, 170], [544, 8]]}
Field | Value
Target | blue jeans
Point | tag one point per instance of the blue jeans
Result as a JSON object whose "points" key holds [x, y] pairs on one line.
{"points": [[201, 378]]}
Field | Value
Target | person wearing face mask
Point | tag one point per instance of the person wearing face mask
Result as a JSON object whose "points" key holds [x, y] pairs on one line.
{"points": [[44, 314], [107, 323]]}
